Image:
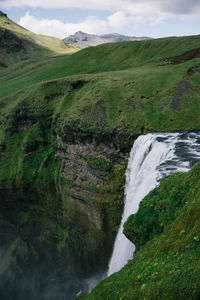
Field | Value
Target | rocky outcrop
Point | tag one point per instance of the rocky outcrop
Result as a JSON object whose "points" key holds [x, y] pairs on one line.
{"points": [[85, 167]]}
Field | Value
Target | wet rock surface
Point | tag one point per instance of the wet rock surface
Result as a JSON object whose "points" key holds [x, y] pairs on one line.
{"points": [[84, 167]]}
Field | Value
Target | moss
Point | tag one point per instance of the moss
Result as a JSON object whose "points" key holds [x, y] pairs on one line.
{"points": [[92, 187], [62, 237], [89, 199], [111, 200], [157, 212], [99, 163]]}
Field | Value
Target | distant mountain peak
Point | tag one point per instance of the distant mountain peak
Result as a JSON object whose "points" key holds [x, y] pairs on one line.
{"points": [[80, 32], [83, 39]]}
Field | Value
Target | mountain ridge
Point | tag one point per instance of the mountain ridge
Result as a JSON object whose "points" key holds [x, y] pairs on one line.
{"points": [[83, 39]]}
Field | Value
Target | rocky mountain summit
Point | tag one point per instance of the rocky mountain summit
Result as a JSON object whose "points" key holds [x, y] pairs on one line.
{"points": [[83, 39]]}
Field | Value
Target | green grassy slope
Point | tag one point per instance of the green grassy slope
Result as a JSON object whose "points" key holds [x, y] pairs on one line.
{"points": [[14, 48], [54, 44], [151, 54], [132, 87], [146, 93], [166, 230], [18, 43]]}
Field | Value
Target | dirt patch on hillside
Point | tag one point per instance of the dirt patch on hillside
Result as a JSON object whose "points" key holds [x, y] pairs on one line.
{"points": [[189, 55], [179, 95]]}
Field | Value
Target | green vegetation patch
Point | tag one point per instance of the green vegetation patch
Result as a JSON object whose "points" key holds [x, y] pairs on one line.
{"points": [[99, 163]]}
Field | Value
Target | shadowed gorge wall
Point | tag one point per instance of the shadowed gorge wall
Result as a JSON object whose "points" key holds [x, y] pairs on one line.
{"points": [[59, 205]]}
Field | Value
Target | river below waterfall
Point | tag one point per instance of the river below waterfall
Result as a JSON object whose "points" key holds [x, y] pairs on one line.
{"points": [[153, 157]]}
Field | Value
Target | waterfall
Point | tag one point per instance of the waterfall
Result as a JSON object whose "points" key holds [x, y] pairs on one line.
{"points": [[153, 157]]}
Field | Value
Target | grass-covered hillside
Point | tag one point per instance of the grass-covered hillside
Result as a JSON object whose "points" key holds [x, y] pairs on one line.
{"points": [[67, 123], [138, 86], [166, 231], [18, 43]]}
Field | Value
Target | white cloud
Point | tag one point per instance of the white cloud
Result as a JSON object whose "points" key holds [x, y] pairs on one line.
{"points": [[114, 22], [61, 29], [123, 14], [118, 20], [182, 7]]}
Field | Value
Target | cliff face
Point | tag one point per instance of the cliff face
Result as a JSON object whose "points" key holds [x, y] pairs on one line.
{"points": [[84, 167], [61, 199]]}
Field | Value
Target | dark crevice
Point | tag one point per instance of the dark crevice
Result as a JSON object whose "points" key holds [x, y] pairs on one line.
{"points": [[189, 55]]}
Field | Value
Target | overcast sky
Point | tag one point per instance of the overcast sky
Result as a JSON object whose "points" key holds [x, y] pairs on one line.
{"points": [[155, 18]]}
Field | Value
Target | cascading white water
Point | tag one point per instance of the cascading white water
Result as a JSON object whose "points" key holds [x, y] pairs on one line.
{"points": [[153, 157]]}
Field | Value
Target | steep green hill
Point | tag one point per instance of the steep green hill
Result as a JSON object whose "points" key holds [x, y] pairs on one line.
{"points": [[166, 231], [147, 56], [18, 43], [131, 87]]}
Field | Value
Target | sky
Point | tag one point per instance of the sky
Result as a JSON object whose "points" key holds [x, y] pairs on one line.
{"points": [[152, 18]]}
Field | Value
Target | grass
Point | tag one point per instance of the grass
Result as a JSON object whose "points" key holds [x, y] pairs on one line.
{"points": [[131, 86], [123, 99]]}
